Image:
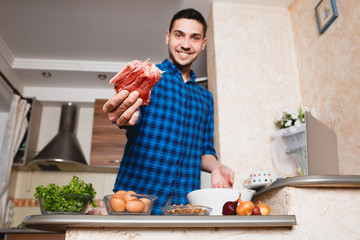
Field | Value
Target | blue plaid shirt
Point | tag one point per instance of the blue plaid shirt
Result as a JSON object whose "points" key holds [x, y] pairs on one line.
{"points": [[163, 154]]}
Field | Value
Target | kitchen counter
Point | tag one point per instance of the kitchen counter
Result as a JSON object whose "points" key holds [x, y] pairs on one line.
{"points": [[60, 223], [297, 205]]}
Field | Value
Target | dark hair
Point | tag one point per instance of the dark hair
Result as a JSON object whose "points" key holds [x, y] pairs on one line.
{"points": [[189, 13]]}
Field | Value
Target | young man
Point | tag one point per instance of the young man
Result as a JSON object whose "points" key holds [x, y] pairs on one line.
{"points": [[171, 140]]}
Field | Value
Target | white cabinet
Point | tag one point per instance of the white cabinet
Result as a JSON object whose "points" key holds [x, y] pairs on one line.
{"points": [[27, 150]]}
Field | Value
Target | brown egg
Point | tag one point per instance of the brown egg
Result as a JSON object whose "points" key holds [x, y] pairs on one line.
{"points": [[147, 203], [121, 192], [128, 196], [117, 204], [135, 206]]}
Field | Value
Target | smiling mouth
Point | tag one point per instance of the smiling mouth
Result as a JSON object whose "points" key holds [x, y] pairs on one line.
{"points": [[184, 54]]}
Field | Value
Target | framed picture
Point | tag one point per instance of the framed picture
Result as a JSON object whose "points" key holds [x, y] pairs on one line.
{"points": [[326, 12]]}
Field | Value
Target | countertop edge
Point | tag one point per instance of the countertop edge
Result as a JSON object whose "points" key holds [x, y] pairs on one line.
{"points": [[59, 223]]}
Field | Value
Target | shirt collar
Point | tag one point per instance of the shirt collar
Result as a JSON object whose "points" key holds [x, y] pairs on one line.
{"points": [[169, 65]]}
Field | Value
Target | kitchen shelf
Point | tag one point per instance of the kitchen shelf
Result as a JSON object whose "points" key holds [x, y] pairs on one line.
{"points": [[59, 223], [338, 181]]}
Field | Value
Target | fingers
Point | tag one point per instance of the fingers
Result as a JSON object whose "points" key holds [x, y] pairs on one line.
{"points": [[115, 101], [231, 178], [123, 108], [218, 185], [131, 115]]}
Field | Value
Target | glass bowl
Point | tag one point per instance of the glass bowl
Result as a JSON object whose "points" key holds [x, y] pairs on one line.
{"points": [[186, 210], [64, 204], [118, 207]]}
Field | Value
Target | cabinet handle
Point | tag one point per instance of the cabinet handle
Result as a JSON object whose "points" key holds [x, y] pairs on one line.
{"points": [[114, 161]]}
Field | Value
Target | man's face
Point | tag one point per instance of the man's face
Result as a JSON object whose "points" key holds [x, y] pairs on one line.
{"points": [[185, 42]]}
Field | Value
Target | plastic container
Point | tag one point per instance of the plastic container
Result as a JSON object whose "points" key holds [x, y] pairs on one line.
{"points": [[110, 210], [289, 151], [65, 204]]}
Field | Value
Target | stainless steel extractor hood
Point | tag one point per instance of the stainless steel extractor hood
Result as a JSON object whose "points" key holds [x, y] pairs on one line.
{"points": [[63, 152]]}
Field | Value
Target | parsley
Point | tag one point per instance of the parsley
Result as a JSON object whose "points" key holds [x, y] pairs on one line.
{"points": [[66, 198]]}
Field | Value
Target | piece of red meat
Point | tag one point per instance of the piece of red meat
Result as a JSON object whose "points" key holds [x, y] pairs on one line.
{"points": [[139, 76]]}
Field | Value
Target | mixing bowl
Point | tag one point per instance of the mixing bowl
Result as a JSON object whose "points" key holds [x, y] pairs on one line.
{"points": [[214, 198]]}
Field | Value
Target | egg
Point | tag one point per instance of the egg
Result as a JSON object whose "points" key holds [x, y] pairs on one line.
{"points": [[147, 204], [135, 206], [128, 196], [121, 192], [117, 204]]}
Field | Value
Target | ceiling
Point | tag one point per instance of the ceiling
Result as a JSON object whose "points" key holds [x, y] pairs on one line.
{"points": [[76, 40]]}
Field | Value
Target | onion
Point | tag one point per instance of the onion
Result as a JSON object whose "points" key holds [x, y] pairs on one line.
{"points": [[256, 211], [264, 209], [245, 208], [229, 208]]}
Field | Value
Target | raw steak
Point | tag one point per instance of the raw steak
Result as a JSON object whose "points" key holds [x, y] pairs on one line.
{"points": [[139, 76]]}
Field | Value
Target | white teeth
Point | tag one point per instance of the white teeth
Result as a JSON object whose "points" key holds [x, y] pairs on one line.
{"points": [[183, 54]]}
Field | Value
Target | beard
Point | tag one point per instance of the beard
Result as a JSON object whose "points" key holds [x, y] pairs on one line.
{"points": [[179, 65]]}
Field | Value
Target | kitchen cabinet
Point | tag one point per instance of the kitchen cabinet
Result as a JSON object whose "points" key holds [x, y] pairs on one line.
{"points": [[27, 150], [108, 141], [58, 236]]}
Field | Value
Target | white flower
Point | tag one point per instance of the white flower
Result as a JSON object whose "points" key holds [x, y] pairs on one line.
{"points": [[288, 123], [291, 117], [278, 116], [297, 123]]}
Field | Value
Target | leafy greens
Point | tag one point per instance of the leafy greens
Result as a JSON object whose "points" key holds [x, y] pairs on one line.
{"points": [[73, 197]]}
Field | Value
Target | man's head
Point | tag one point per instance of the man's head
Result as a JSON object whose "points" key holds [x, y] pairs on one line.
{"points": [[186, 38], [189, 13]]}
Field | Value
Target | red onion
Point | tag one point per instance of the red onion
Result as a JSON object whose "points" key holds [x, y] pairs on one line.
{"points": [[229, 208], [256, 211]]}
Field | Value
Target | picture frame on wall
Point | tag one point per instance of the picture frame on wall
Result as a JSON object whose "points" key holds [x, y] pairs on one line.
{"points": [[326, 12]]}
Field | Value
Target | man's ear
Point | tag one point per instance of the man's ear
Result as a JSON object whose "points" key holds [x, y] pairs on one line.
{"points": [[204, 43], [167, 38]]}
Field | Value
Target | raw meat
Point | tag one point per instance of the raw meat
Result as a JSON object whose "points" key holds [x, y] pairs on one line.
{"points": [[139, 76]]}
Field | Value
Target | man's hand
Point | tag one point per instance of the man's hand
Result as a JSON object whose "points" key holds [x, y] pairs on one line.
{"points": [[222, 177], [123, 108]]}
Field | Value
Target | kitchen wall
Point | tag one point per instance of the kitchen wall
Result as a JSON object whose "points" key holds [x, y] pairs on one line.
{"points": [[262, 59], [252, 73], [329, 70]]}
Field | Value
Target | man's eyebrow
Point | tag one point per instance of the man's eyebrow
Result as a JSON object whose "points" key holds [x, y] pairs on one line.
{"points": [[192, 34], [178, 31]]}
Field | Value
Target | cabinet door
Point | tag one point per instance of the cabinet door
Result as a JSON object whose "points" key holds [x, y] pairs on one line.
{"points": [[27, 149], [108, 141]]}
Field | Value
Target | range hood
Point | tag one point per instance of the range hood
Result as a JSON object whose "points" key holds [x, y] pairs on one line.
{"points": [[63, 152]]}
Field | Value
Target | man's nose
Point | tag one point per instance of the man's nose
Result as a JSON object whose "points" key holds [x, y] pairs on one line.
{"points": [[186, 43]]}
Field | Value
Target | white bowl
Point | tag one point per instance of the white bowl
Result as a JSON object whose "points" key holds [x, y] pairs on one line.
{"points": [[214, 198]]}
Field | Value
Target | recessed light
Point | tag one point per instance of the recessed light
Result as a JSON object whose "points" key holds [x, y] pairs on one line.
{"points": [[102, 76], [46, 74]]}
